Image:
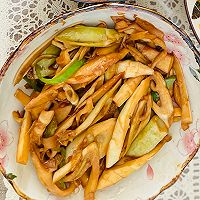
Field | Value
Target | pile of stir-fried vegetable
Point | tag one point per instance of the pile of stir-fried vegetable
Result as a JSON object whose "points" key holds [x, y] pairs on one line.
{"points": [[102, 103]]}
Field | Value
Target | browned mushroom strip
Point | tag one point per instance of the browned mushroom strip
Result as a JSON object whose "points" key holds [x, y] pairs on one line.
{"points": [[165, 110], [149, 27], [45, 177], [186, 117]]}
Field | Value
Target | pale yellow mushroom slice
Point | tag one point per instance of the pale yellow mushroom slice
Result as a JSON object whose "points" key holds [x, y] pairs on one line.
{"points": [[164, 64], [148, 38], [110, 72], [65, 124], [44, 119], [48, 94], [95, 86], [61, 113], [23, 146], [91, 187], [73, 163], [79, 169], [106, 87], [84, 112], [41, 99], [67, 168], [100, 51], [177, 95], [22, 97], [177, 114], [92, 114], [35, 112], [158, 58], [90, 157], [133, 69], [159, 43], [138, 56], [96, 67], [149, 27], [132, 28], [87, 108], [122, 124], [165, 109], [143, 35], [103, 111], [17, 117], [50, 143], [71, 95], [45, 177], [83, 52], [100, 132], [126, 90], [186, 116], [139, 121], [88, 121], [75, 57]]}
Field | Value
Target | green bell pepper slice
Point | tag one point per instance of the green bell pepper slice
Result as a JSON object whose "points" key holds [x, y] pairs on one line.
{"points": [[155, 96], [62, 77], [170, 82], [89, 36], [52, 50], [63, 153], [148, 138], [46, 62], [51, 128], [61, 184], [43, 66], [35, 84]]}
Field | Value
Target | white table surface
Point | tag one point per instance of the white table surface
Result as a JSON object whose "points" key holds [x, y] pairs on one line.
{"points": [[19, 17]]}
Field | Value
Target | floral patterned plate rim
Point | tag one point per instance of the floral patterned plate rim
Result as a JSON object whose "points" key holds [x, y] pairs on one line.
{"points": [[156, 175], [193, 13], [97, 1]]}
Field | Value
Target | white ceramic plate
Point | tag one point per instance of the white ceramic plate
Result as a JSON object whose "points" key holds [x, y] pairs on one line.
{"points": [[191, 5], [163, 170]]}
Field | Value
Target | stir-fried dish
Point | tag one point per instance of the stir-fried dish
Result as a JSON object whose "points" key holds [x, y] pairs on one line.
{"points": [[99, 103]]}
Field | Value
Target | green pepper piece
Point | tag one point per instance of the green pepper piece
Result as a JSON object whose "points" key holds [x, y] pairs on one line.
{"points": [[52, 50], [62, 164], [148, 138], [170, 82], [88, 36], [46, 62], [64, 76], [63, 153], [34, 84], [51, 128], [155, 96], [10, 176], [61, 184], [43, 66]]}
